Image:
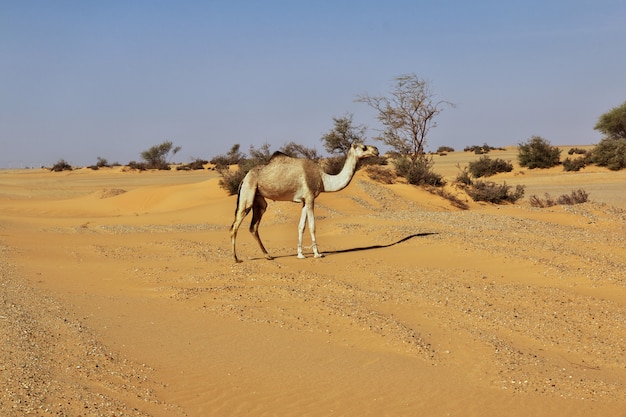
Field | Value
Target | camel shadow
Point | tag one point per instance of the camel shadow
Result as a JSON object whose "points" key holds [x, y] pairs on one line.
{"points": [[371, 247], [364, 248]]}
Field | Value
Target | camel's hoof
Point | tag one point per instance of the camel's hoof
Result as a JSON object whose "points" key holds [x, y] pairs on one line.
{"points": [[269, 258], [319, 255], [301, 256]]}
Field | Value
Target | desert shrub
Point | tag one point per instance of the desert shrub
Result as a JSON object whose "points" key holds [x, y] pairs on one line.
{"points": [[480, 150], [380, 174], [156, 156], [233, 157], [575, 197], [491, 192], [419, 171], [610, 153], [443, 149], [139, 166], [575, 164], [193, 165], [576, 151], [538, 153], [102, 162], [231, 179], [61, 165], [486, 167], [296, 150], [463, 178]]}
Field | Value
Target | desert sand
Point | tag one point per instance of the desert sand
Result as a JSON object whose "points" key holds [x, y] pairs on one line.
{"points": [[119, 297]]}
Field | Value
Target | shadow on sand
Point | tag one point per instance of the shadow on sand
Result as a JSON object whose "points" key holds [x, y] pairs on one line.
{"points": [[363, 248], [404, 239]]}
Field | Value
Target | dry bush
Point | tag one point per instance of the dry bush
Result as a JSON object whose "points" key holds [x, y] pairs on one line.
{"points": [[491, 192], [575, 197], [196, 164], [486, 167], [61, 165]]}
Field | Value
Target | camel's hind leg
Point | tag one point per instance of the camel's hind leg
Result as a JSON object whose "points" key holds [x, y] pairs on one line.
{"points": [[245, 200], [258, 209]]}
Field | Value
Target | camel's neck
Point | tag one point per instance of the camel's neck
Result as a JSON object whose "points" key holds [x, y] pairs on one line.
{"points": [[340, 181]]}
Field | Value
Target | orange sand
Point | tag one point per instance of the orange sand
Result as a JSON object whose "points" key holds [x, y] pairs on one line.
{"points": [[125, 282]]}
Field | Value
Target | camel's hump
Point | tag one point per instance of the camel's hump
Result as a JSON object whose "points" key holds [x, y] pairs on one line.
{"points": [[279, 154]]}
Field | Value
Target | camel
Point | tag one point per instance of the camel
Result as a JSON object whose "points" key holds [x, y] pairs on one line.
{"points": [[291, 179]]}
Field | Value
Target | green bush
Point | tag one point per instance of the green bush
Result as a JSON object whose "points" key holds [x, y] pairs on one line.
{"points": [[491, 192], [610, 153], [538, 153], [486, 167], [419, 171], [575, 164], [156, 156]]}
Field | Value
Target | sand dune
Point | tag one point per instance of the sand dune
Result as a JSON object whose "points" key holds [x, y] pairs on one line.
{"points": [[119, 297]]}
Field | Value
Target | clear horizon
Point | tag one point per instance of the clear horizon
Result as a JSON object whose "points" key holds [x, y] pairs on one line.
{"points": [[83, 80]]}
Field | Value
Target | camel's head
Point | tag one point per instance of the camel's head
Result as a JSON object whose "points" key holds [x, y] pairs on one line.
{"points": [[364, 151]]}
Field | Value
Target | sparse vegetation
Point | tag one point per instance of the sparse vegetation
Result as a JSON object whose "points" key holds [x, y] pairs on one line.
{"points": [[418, 172], [480, 150], [233, 157], [156, 156], [408, 114], [295, 150], [61, 165], [491, 192], [195, 164], [537, 152], [231, 178], [575, 197], [610, 153], [576, 164], [343, 135], [444, 149], [139, 166], [486, 167], [102, 162]]}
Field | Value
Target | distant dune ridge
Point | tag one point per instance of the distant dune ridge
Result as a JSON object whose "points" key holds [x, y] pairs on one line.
{"points": [[120, 297]]}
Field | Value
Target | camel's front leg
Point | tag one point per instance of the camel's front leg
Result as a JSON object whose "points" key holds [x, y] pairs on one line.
{"points": [[311, 217]]}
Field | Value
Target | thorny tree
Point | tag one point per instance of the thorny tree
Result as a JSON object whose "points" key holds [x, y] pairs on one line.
{"points": [[407, 114]]}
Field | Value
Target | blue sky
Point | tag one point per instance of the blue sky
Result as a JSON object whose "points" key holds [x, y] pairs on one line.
{"points": [[88, 79]]}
